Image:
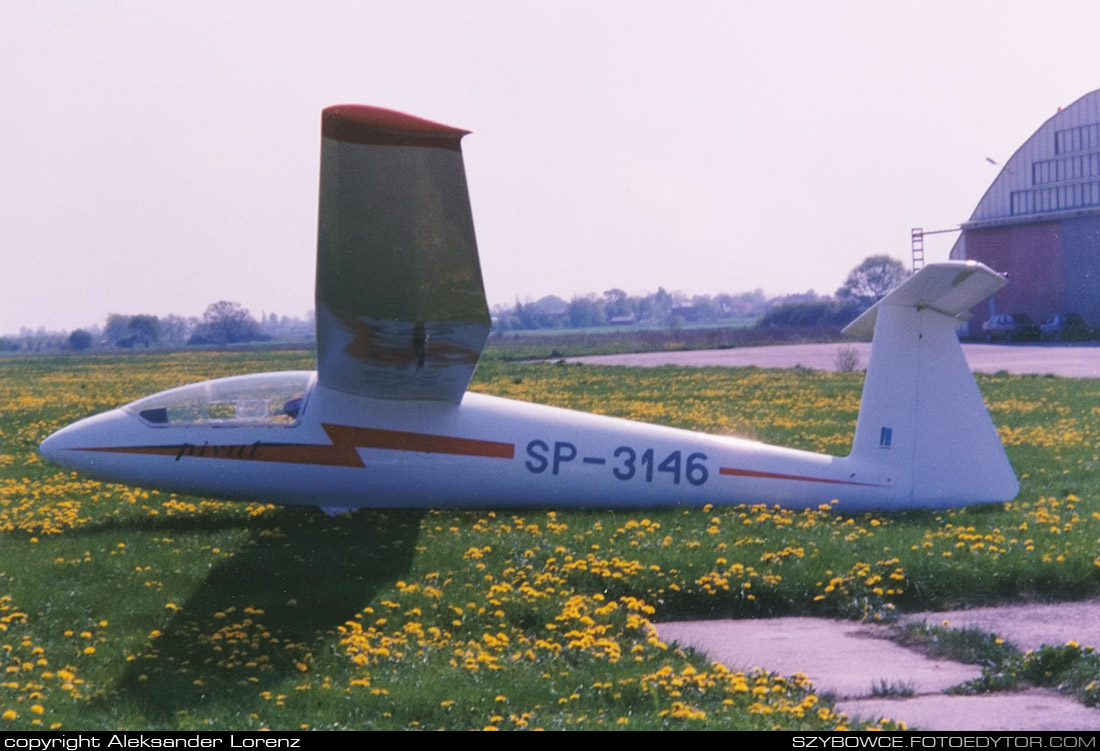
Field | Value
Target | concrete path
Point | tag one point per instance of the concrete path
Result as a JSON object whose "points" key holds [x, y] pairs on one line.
{"points": [[1068, 360], [853, 661]]}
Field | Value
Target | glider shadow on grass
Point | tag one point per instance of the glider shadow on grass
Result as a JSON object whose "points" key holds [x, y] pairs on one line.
{"points": [[269, 612]]}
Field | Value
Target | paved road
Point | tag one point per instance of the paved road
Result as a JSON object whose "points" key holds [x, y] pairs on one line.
{"points": [[1068, 360]]}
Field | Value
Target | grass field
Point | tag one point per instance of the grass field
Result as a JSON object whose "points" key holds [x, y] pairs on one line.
{"points": [[127, 608], [547, 344]]}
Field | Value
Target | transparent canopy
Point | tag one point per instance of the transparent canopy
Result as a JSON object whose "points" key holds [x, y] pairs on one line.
{"points": [[262, 399]]}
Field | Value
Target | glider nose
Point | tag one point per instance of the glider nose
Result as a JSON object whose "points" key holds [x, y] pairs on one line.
{"points": [[59, 444], [51, 447], [73, 446]]}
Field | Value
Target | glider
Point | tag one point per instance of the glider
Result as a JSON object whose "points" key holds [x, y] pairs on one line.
{"points": [[386, 420]]}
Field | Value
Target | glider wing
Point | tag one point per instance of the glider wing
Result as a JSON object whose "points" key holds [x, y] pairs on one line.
{"points": [[401, 310]]}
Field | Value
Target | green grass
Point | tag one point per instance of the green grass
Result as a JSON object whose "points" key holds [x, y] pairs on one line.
{"points": [[968, 645], [1069, 668], [123, 607], [547, 344], [742, 322], [893, 689]]}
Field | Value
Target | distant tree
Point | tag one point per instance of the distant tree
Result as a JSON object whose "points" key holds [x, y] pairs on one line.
{"points": [[706, 308], [803, 314], [117, 329], [654, 308], [176, 329], [226, 322], [616, 304], [872, 279], [662, 304], [503, 317], [545, 313], [143, 330], [80, 340], [550, 305], [519, 317], [585, 312], [40, 339], [742, 304], [647, 310]]}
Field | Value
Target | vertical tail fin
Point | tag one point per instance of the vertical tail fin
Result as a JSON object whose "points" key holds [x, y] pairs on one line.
{"points": [[922, 415]]}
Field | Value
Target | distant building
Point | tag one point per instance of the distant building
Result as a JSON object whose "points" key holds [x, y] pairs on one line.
{"points": [[1039, 222]]}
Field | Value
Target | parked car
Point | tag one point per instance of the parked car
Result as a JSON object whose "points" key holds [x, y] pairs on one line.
{"points": [[1012, 327], [1068, 327]]}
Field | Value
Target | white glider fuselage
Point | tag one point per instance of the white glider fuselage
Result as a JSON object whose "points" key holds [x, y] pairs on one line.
{"points": [[347, 451]]}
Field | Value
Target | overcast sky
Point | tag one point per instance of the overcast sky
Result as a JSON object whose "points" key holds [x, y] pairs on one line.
{"points": [[158, 156]]}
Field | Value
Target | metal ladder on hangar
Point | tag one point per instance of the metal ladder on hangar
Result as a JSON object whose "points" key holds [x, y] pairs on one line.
{"points": [[916, 243]]}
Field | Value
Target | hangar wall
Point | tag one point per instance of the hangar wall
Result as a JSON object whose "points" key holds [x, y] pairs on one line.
{"points": [[1081, 256], [1039, 221], [1031, 256]]}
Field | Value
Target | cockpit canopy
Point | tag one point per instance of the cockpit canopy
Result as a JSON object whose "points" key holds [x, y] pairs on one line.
{"points": [[275, 399]]}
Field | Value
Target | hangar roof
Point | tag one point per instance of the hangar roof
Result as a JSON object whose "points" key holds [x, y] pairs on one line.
{"points": [[1055, 173]]}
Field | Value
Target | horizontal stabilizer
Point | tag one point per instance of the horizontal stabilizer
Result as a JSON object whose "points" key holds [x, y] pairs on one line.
{"points": [[950, 288]]}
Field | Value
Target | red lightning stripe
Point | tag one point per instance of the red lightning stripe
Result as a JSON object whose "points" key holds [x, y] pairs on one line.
{"points": [[342, 453], [797, 478], [400, 440]]}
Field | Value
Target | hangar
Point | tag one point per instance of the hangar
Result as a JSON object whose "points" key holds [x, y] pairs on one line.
{"points": [[1039, 222]]}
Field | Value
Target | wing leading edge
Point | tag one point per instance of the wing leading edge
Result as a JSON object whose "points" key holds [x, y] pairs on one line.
{"points": [[401, 310]]}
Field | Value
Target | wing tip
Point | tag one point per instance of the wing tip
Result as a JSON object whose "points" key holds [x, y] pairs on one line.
{"points": [[364, 124]]}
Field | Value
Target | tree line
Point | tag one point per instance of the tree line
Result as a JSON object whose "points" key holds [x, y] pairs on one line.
{"points": [[865, 284], [616, 308], [225, 322], [222, 323]]}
